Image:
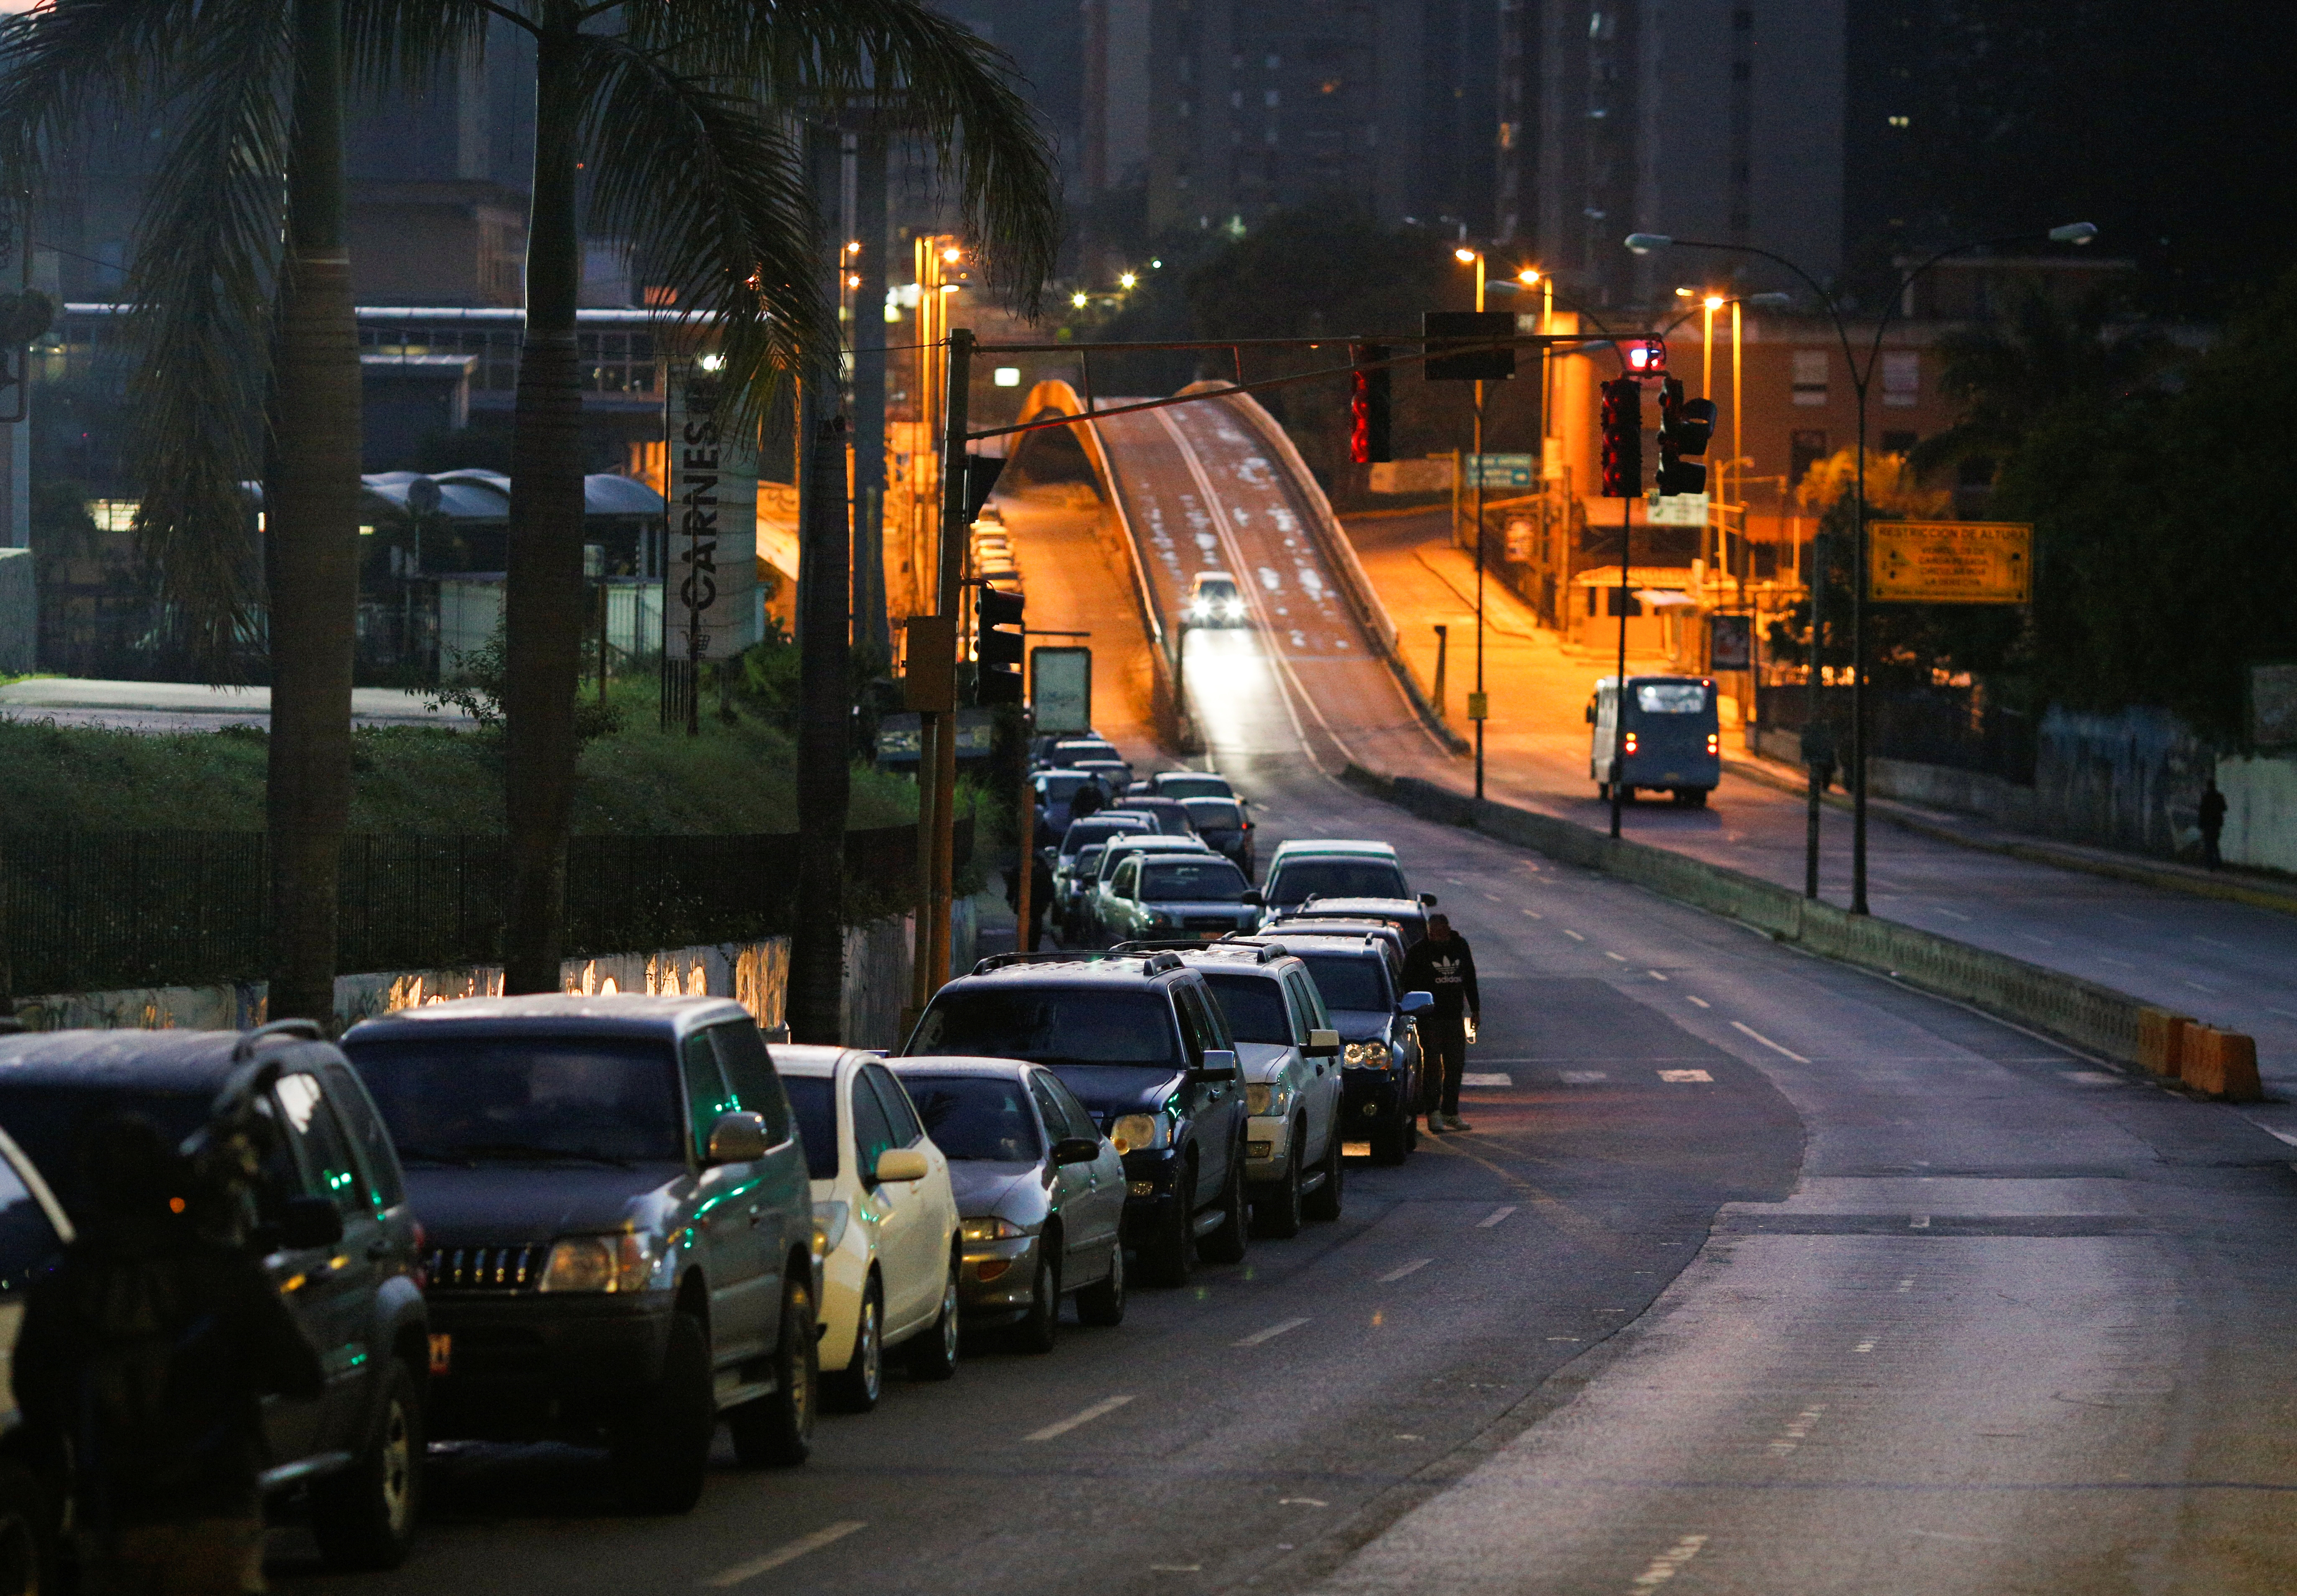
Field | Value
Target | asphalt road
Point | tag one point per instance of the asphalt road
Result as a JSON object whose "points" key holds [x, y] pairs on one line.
{"points": [[1756, 1275]]}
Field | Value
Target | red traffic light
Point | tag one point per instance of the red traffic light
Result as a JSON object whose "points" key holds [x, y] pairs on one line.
{"points": [[1623, 439], [1367, 408], [1645, 356]]}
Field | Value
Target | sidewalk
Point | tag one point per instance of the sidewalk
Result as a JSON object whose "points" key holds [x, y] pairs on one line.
{"points": [[2222, 949]]}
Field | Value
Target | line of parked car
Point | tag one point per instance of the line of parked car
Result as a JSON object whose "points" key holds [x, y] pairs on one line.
{"points": [[619, 1221]]}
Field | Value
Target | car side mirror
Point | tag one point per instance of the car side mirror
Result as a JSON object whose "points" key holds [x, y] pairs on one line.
{"points": [[1417, 1002], [1253, 896], [737, 1138], [1076, 1149], [1322, 1044], [902, 1163], [311, 1221], [1427, 899], [1217, 1068]]}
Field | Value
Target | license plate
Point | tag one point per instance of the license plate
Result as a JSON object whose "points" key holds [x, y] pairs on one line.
{"points": [[443, 1353]]}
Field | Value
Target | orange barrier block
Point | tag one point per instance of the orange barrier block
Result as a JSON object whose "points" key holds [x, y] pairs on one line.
{"points": [[2222, 1064], [2160, 1039]]}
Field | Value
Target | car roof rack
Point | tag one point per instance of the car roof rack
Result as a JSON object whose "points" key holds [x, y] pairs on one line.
{"points": [[1157, 962], [1226, 944], [302, 1030]]}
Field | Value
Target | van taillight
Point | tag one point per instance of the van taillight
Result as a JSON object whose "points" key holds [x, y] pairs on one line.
{"points": [[1713, 743], [1631, 742]]}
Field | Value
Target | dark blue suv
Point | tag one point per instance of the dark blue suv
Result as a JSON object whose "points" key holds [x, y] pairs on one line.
{"points": [[1142, 1042]]}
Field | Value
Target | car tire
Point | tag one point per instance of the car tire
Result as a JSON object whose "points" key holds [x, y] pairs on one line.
{"points": [[1102, 1303], [1167, 1261], [856, 1387], [659, 1449], [1324, 1204], [933, 1353], [1041, 1329], [777, 1431], [1226, 1243], [365, 1516], [27, 1534], [1276, 1213]]}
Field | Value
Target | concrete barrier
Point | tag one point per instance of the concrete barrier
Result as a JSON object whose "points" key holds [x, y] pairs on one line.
{"points": [[2221, 1064], [2096, 1018]]}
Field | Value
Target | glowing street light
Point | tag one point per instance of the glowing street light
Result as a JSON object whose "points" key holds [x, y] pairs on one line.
{"points": [[1127, 280], [1079, 299]]}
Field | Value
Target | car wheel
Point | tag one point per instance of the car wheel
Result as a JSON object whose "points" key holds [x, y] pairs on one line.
{"points": [[858, 1385], [1324, 1202], [1277, 1213], [1102, 1303], [27, 1534], [364, 1517], [1038, 1332], [1166, 1260], [933, 1355], [1226, 1244], [777, 1431], [659, 1451]]}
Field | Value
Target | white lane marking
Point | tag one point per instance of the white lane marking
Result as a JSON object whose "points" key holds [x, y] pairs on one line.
{"points": [[1939, 1534], [2031, 937], [1485, 1078], [1920, 1221], [1667, 1564], [787, 1552], [1493, 1217], [1906, 1285], [1495, 897], [2089, 1077], [1684, 1077], [2278, 1135], [1402, 1437], [2121, 964], [1766, 1042], [1397, 1273], [1302, 1501], [1574, 936], [1582, 1077], [1864, 1346], [1106, 1405], [1702, 1002], [2199, 987], [1655, 974], [1270, 1333], [2211, 940], [1620, 957], [1952, 914], [2284, 1013], [1797, 1429], [1176, 1567], [1535, 915]]}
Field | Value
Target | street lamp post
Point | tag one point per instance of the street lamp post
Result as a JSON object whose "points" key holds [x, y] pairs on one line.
{"points": [[1479, 704], [1644, 244]]}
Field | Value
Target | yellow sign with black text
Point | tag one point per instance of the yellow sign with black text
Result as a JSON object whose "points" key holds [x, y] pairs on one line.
{"points": [[1950, 561]]}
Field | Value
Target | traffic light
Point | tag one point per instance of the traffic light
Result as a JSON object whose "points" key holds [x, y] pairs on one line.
{"points": [[1684, 426], [1368, 425], [980, 472], [1623, 439], [996, 650], [1645, 356]]}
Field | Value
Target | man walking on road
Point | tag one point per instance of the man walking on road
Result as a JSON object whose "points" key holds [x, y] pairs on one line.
{"points": [[1441, 963]]}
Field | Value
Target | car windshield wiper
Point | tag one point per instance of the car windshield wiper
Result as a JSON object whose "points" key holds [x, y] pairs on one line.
{"points": [[523, 1149]]}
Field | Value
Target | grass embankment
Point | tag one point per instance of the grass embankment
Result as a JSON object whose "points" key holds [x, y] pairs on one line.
{"points": [[737, 775]]}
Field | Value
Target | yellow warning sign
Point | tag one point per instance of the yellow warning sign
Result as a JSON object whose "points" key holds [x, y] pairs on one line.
{"points": [[1950, 562]]}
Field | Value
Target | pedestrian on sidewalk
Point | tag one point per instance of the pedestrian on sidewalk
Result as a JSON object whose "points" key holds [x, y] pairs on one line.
{"points": [[1441, 965], [1818, 752], [150, 1351], [2214, 814]]}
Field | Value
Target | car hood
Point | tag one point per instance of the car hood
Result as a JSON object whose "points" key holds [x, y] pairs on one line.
{"points": [[1109, 1090], [986, 1189], [1262, 1061], [1207, 906], [1361, 1025], [497, 1204]]}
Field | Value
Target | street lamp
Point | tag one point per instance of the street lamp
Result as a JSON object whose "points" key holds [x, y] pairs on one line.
{"points": [[1644, 243], [1471, 257]]}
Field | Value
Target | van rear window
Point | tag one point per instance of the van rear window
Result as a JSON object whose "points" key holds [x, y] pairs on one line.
{"points": [[1671, 697]]}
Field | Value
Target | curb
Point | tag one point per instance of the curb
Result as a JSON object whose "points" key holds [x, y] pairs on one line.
{"points": [[2092, 1018]]}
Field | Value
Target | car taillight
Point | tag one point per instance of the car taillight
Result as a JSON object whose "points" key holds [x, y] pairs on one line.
{"points": [[1631, 742], [1713, 743]]}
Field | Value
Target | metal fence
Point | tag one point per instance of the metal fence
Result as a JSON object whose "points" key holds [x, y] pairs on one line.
{"points": [[90, 911], [1935, 727]]}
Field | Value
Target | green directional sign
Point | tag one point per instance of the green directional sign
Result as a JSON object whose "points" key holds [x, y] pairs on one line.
{"points": [[1501, 470]]}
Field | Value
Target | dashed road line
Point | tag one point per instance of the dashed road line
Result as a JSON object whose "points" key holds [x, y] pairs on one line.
{"points": [[1702, 1002], [1667, 1564], [1766, 1042], [1494, 1217], [1105, 1406], [1684, 1077], [789, 1552], [1620, 957], [1574, 936], [1655, 974], [1280, 1327], [1402, 1270]]}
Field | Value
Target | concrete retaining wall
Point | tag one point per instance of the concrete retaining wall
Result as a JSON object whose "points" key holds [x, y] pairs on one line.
{"points": [[2094, 1018], [19, 613]]}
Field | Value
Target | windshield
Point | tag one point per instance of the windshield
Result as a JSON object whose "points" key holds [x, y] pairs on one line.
{"points": [[1062, 785], [1116, 853], [1165, 815], [1254, 1006], [1191, 881], [1350, 980], [1297, 880], [1057, 1026], [1214, 814], [450, 1099], [813, 1101], [1099, 829], [1088, 861], [1073, 753], [1671, 697], [977, 1117], [1194, 787], [1215, 588], [45, 1121]]}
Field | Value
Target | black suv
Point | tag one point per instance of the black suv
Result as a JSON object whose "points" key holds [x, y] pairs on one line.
{"points": [[1141, 1041], [1381, 1069], [620, 1226], [330, 1215]]}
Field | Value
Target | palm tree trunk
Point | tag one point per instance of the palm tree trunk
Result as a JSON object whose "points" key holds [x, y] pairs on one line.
{"points": [[544, 611], [311, 543], [816, 977]]}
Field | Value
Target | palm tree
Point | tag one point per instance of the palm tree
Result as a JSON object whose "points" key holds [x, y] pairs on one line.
{"points": [[237, 329], [680, 114]]}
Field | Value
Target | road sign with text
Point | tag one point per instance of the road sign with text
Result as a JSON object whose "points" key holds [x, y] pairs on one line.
{"points": [[1950, 562]]}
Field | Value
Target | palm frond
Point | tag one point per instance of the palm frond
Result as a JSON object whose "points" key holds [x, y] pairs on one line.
{"points": [[711, 194], [206, 255], [391, 42], [57, 61]]}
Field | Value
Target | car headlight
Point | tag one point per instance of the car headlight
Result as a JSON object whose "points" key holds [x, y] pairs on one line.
{"points": [[620, 1263], [1273, 1098], [828, 1226], [1233, 610], [1366, 1052], [991, 1230], [1137, 1132]]}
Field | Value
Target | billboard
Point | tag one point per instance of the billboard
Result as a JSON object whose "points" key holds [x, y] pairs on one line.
{"points": [[713, 599], [1060, 689], [1950, 561]]}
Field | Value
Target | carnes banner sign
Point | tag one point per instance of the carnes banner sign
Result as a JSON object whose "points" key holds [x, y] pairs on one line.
{"points": [[713, 611]]}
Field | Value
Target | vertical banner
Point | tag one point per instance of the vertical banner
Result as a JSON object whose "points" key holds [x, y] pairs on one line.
{"points": [[1731, 642], [709, 609]]}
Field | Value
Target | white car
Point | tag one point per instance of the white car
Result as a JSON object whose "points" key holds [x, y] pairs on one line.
{"points": [[1291, 1054], [885, 1221]]}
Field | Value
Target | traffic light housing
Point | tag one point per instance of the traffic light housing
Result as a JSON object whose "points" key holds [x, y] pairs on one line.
{"points": [[1684, 427], [999, 646], [1369, 442], [1623, 439], [1645, 356]]}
